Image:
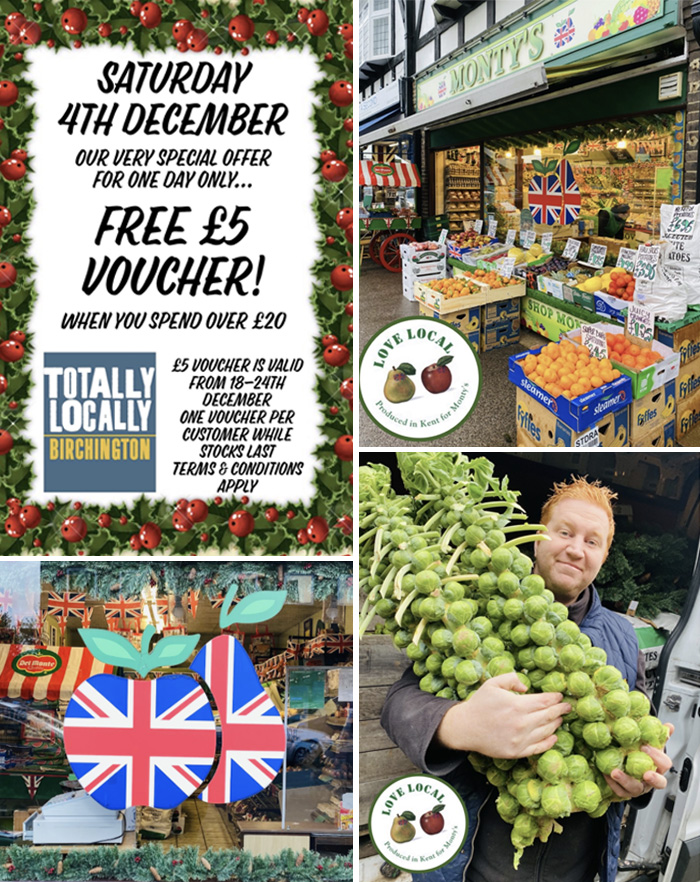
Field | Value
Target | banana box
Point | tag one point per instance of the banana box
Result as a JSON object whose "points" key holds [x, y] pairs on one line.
{"points": [[688, 381], [500, 311], [652, 412], [539, 427], [684, 340], [498, 335], [687, 414], [467, 321], [661, 436]]}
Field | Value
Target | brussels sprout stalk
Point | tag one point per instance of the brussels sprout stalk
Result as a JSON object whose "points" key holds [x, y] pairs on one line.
{"points": [[522, 540], [455, 557]]}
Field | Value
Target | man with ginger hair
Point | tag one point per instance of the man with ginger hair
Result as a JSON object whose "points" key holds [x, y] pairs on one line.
{"points": [[436, 733]]}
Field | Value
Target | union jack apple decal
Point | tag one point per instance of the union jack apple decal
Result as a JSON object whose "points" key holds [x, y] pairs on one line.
{"points": [[153, 742]]}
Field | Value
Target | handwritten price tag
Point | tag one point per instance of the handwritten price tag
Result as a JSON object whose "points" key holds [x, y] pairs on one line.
{"points": [[510, 238], [442, 237], [527, 238], [506, 266], [647, 261], [682, 224], [640, 322], [493, 228], [571, 249], [594, 338], [547, 241], [478, 225], [596, 256], [626, 259]]}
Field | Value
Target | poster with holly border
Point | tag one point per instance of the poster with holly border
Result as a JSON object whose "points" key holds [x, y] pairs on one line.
{"points": [[67, 524]]}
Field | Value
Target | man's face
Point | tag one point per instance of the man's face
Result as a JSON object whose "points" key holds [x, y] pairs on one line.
{"points": [[570, 561]]}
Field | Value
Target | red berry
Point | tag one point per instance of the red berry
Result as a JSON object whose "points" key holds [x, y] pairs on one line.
{"points": [[271, 37], [330, 240], [345, 31], [328, 56], [37, 543], [218, 500], [11, 350], [244, 500], [218, 50], [335, 170], [241, 523], [347, 49], [150, 15], [181, 504], [197, 511], [182, 46], [341, 277], [182, 29], [350, 329], [8, 275], [135, 8], [17, 237], [50, 506], [77, 505], [317, 23], [14, 506], [104, 520], [204, 537], [327, 155], [336, 355], [19, 154], [197, 40], [345, 525], [3, 384], [344, 218], [346, 389], [123, 520], [14, 527], [14, 22], [105, 29], [333, 410], [30, 516], [135, 542], [317, 529], [12, 405], [6, 442], [75, 21], [291, 37], [302, 14], [74, 529], [241, 28], [245, 50], [150, 535], [181, 521], [123, 30], [340, 93], [12, 169], [5, 216], [348, 308], [18, 55], [302, 537], [290, 515], [347, 124], [343, 448], [18, 336], [50, 44], [205, 13], [9, 93], [329, 340], [271, 515]]}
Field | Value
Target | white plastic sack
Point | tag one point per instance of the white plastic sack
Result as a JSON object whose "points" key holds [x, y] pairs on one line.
{"points": [[680, 228], [667, 298]]}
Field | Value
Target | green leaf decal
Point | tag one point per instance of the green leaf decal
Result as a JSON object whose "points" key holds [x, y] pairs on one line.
{"points": [[112, 649], [445, 359], [438, 808], [537, 165], [407, 368], [408, 815], [172, 650], [572, 148], [552, 165], [257, 607]]}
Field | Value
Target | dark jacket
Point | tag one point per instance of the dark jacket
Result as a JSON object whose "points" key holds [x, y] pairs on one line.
{"points": [[610, 224], [411, 718]]}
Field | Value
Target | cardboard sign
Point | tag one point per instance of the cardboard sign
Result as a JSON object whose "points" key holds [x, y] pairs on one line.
{"points": [[553, 287], [626, 259], [571, 249], [442, 237], [640, 322], [527, 238], [478, 225], [594, 338], [682, 223], [596, 256], [591, 438], [510, 238], [493, 229], [647, 261], [547, 241], [506, 266]]}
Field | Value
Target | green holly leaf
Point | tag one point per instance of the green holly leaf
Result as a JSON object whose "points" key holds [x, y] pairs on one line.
{"points": [[253, 608]]}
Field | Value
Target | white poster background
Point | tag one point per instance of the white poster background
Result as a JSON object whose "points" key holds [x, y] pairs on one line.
{"points": [[282, 226]]}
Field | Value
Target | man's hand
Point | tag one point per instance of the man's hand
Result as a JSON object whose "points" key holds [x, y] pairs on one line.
{"points": [[498, 722], [627, 787]]}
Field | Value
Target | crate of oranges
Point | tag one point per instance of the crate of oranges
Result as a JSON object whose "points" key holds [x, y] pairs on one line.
{"points": [[647, 365], [448, 295], [497, 285], [578, 389]]}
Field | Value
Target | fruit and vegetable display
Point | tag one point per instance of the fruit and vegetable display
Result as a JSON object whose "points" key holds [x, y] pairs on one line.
{"points": [[442, 565], [488, 251], [534, 252], [553, 265], [469, 239], [616, 282], [426, 246], [491, 278], [574, 275], [453, 288], [567, 369], [629, 353]]}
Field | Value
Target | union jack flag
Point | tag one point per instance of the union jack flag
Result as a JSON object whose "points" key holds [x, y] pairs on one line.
{"points": [[218, 601], [32, 782], [544, 199], [193, 602], [339, 643], [571, 196], [252, 733], [64, 605], [564, 33], [122, 608], [139, 742], [294, 649], [5, 599]]}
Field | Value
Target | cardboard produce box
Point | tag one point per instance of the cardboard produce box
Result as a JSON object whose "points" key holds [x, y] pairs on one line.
{"points": [[660, 436], [500, 311], [582, 412], [468, 321], [687, 414], [461, 253], [539, 427], [687, 382], [500, 334], [684, 339], [441, 304], [651, 412]]}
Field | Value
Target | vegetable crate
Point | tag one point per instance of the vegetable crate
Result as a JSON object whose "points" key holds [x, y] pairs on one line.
{"points": [[461, 253], [537, 426], [687, 415], [441, 304], [687, 382], [649, 413]]}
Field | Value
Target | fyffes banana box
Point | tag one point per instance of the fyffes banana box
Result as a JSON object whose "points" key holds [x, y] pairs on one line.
{"points": [[684, 340], [688, 382], [650, 413], [660, 436], [467, 320], [687, 414], [538, 427]]}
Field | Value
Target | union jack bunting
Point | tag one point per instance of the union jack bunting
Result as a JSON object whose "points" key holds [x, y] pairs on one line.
{"points": [[571, 196], [87, 616], [252, 733], [140, 742], [32, 782], [64, 605], [294, 649], [339, 643], [544, 199], [5, 599], [163, 606], [317, 646], [218, 601], [122, 608], [193, 602]]}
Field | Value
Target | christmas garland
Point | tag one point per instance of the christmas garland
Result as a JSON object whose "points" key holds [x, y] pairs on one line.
{"points": [[107, 579], [226, 525], [151, 863]]}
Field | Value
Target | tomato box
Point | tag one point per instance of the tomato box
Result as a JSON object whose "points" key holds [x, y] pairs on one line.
{"points": [[468, 321], [660, 436], [683, 337], [539, 427], [649, 413], [582, 412], [501, 334], [649, 378]]}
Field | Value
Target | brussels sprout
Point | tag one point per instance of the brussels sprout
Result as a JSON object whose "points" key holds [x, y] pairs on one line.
{"points": [[416, 543], [555, 681], [601, 810], [536, 677], [474, 535], [541, 632], [505, 629], [555, 801], [584, 641], [463, 691], [479, 559], [607, 679], [545, 657], [434, 662], [482, 626], [595, 658], [580, 684], [567, 632], [507, 807], [513, 609], [512, 786], [465, 642], [520, 634], [386, 608], [501, 559], [497, 777], [447, 692], [653, 731], [442, 639], [415, 606], [401, 558], [494, 609], [565, 742], [479, 762], [420, 668], [551, 766], [617, 703], [525, 828], [417, 651], [576, 767], [421, 560], [639, 705], [524, 679], [638, 763], [609, 759], [586, 796], [432, 683], [529, 793], [487, 583], [590, 709], [493, 539], [461, 611], [532, 585], [526, 658], [571, 657], [576, 728], [626, 731], [492, 646], [522, 771], [508, 584], [556, 613], [596, 735], [448, 667], [500, 665], [521, 566], [549, 595], [503, 763], [432, 609], [534, 608], [453, 591], [402, 639], [468, 672]]}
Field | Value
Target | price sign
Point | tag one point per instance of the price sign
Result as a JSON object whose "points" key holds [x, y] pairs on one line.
{"points": [[510, 238], [647, 261], [640, 322], [591, 438], [547, 242], [442, 237], [626, 259], [571, 249], [493, 227], [478, 225], [596, 256], [682, 224], [553, 287], [506, 266], [594, 338], [527, 238]]}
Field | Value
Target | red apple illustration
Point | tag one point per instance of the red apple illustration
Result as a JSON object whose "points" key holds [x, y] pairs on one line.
{"points": [[433, 822], [437, 377]]}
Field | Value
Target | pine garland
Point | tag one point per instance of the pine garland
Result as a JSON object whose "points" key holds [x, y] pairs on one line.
{"points": [[287, 531], [175, 865]]}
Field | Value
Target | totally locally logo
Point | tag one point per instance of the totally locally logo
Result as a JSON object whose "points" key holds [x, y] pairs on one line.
{"points": [[36, 663], [418, 823]]}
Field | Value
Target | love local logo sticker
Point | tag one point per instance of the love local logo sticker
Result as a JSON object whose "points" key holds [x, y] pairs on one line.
{"points": [[419, 378], [418, 823]]}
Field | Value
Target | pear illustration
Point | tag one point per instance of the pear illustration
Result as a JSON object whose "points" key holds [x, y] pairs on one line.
{"points": [[402, 830], [399, 386]]}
